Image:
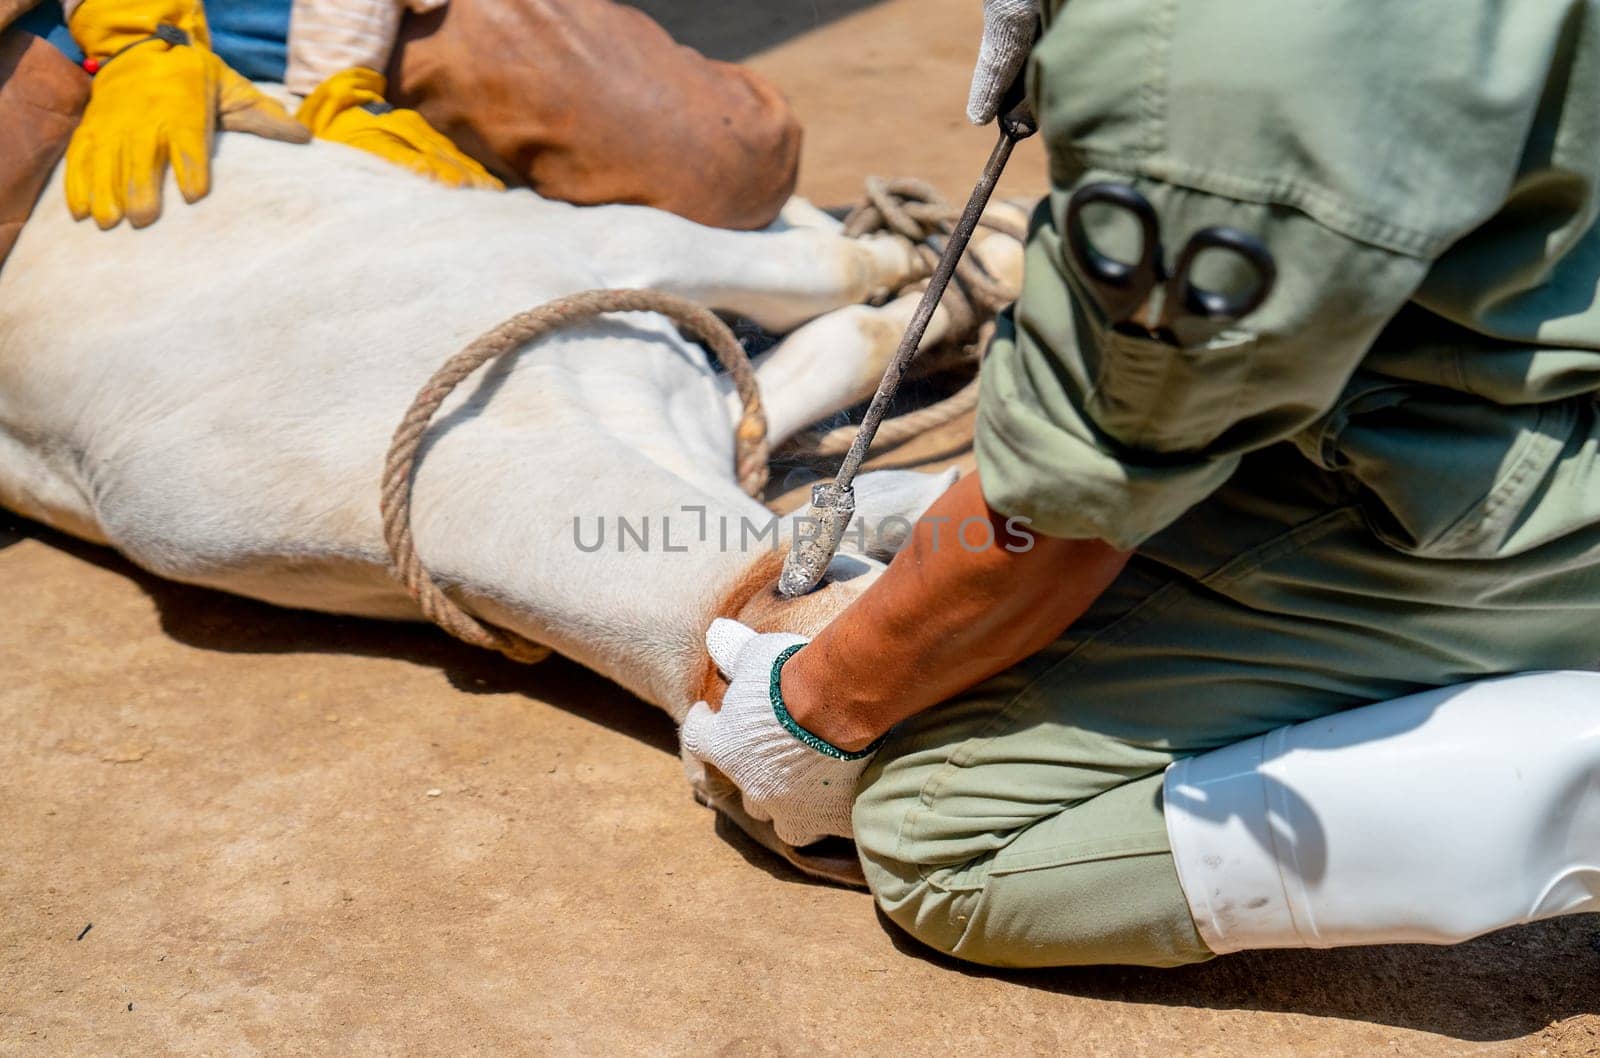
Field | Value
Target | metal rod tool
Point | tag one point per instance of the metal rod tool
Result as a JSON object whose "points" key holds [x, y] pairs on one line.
{"points": [[834, 502]]}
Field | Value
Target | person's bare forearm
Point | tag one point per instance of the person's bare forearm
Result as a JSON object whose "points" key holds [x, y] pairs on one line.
{"points": [[952, 610]]}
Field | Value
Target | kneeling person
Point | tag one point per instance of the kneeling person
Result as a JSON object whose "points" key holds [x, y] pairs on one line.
{"points": [[1167, 726]]}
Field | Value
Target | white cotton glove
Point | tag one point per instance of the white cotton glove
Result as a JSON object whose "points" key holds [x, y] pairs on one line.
{"points": [[1009, 28], [804, 785]]}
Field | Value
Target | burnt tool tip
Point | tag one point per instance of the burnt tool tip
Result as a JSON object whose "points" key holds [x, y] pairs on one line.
{"points": [[818, 534]]}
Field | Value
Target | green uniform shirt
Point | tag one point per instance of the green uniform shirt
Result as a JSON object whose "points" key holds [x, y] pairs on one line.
{"points": [[1425, 176]]}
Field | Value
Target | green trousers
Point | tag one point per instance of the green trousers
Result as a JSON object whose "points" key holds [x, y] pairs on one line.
{"points": [[1021, 823]]}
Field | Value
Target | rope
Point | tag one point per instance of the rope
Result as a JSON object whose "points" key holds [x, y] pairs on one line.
{"points": [[751, 448], [900, 429], [914, 210]]}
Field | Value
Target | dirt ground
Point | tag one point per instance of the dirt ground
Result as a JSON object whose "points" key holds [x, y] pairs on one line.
{"points": [[227, 829]]}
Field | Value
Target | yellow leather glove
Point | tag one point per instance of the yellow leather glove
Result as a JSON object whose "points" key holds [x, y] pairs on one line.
{"points": [[158, 95], [349, 108]]}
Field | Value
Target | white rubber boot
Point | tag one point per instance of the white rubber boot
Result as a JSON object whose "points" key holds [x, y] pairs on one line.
{"points": [[1429, 819]]}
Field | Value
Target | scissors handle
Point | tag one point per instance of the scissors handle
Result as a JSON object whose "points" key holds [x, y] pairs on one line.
{"points": [[1121, 287], [1209, 304]]}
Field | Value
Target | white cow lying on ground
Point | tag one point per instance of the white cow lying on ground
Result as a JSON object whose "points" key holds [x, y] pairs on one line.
{"points": [[213, 397]]}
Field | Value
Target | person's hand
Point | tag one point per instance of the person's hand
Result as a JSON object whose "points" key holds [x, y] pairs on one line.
{"points": [[805, 786], [1009, 28], [349, 108], [158, 95]]}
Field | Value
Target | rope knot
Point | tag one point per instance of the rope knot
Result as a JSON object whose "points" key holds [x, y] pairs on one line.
{"points": [[915, 211], [906, 206]]}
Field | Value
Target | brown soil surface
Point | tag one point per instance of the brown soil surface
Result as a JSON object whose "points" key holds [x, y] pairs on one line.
{"points": [[232, 830]]}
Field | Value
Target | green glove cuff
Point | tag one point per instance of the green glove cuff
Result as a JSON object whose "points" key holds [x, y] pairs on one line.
{"points": [[821, 745]]}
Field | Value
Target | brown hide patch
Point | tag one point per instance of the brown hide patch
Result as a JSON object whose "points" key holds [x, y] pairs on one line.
{"points": [[761, 576], [540, 92], [754, 600]]}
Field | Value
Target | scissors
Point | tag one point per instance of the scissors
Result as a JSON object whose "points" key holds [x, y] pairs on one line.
{"points": [[1185, 313]]}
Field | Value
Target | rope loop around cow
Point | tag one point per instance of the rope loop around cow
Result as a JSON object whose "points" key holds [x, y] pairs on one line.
{"points": [[909, 208], [751, 448]]}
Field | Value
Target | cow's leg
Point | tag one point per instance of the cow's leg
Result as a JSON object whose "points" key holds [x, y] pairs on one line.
{"points": [[798, 213], [833, 362], [779, 277], [783, 278], [836, 360]]}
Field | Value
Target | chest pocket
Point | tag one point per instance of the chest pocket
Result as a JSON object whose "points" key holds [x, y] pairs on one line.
{"points": [[1163, 397]]}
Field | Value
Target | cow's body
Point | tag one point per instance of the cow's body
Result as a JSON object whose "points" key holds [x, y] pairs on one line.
{"points": [[213, 396]]}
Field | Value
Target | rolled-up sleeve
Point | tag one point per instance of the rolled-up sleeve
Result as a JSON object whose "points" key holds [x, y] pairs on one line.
{"points": [[1087, 432]]}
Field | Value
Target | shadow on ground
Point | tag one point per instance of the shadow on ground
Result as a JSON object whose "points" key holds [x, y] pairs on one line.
{"points": [[215, 621], [14, 530], [1501, 987], [732, 30]]}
